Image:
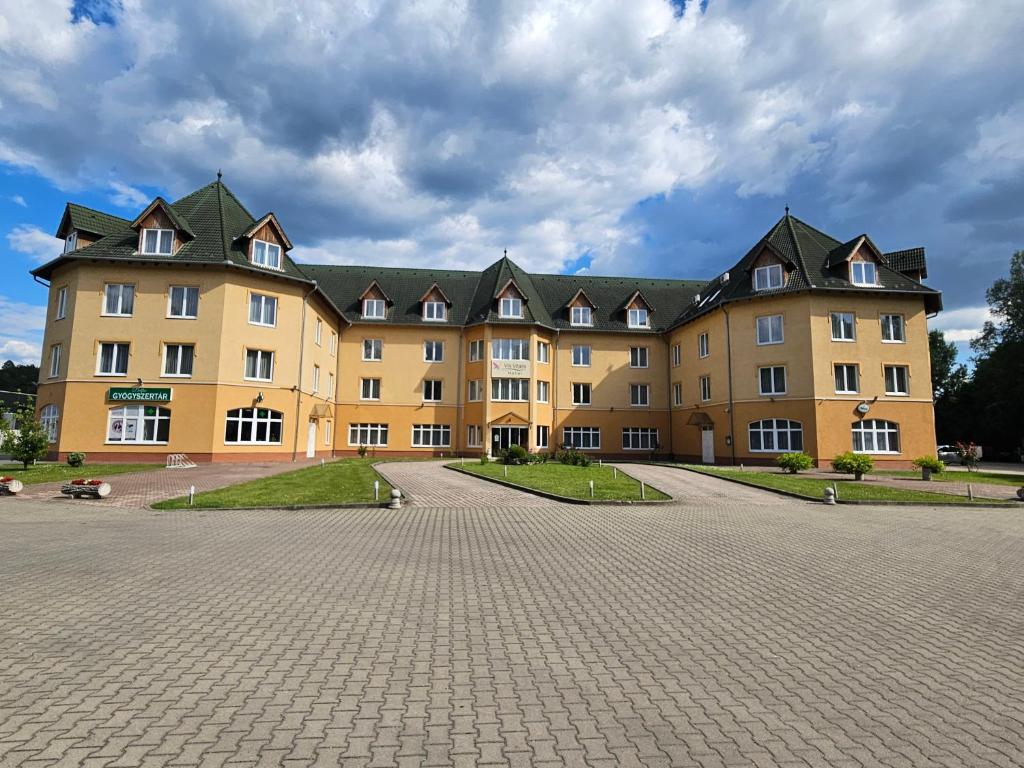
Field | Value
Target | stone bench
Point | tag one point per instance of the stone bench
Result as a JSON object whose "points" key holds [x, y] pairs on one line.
{"points": [[10, 485], [77, 489]]}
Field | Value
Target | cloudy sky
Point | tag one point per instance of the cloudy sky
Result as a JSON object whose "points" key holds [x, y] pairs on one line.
{"points": [[646, 137]]}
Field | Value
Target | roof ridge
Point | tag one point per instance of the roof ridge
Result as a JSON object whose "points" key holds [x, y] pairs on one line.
{"points": [[220, 214], [97, 210], [796, 246]]}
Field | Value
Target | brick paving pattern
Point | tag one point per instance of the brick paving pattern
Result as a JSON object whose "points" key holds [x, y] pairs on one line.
{"points": [[726, 630], [429, 484]]}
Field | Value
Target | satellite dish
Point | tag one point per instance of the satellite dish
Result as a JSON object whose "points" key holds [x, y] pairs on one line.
{"points": [[863, 408]]}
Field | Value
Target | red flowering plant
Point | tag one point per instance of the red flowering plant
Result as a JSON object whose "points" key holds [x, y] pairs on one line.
{"points": [[6, 479], [86, 482], [968, 453]]}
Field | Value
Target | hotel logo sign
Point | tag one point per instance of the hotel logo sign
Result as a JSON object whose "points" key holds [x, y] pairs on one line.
{"points": [[139, 394], [510, 368]]}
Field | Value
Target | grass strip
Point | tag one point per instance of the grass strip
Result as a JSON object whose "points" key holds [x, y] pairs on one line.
{"points": [[569, 481], [51, 473]]}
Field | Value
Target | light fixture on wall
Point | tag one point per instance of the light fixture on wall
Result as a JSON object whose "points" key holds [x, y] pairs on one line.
{"points": [[259, 397]]}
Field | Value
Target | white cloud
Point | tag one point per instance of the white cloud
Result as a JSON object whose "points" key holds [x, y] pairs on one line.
{"points": [[961, 324], [29, 239], [19, 200], [21, 329], [21, 352], [126, 196]]}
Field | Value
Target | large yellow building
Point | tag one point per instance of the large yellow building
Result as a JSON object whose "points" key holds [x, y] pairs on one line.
{"points": [[189, 330]]}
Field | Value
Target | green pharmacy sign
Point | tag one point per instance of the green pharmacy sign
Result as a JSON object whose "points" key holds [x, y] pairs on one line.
{"points": [[139, 394]]}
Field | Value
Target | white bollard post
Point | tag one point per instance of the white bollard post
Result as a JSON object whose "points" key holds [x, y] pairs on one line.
{"points": [[643, 491], [376, 490], [835, 491], [191, 494], [830, 495], [322, 463], [615, 473], [970, 492], [591, 489]]}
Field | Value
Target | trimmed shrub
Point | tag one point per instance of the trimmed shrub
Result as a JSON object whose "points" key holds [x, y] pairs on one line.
{"points": [[794, 462], [515, 454], [930, 463], [573, 457], [484, 459], [362, 451], [856, 464], [76, 459]]}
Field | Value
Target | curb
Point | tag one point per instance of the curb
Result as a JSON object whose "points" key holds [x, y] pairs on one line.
{"points": [[567, 499]]}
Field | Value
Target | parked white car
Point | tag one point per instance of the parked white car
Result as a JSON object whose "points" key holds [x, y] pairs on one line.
{"points": [[948, 454]]}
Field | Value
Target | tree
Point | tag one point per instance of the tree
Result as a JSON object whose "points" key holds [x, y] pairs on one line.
{"points": [[18, 378], [28, 441], [1006, 301], [947, 376]]}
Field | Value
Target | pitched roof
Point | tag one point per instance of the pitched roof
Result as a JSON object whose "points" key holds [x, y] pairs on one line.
{"points": [[909, 260], [89, 220]]}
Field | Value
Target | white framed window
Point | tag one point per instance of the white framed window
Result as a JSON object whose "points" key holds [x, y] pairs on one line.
{"points": [[62, 303], [863, 273], [543, 352], [433, 351], [581, 394], [542, 391], [374, 309], [876, 436], [334, 344], [157, 242], [318, 335], [510, 349], [640, 395], [843, 326], [775, 436], [431, 436], [375, 435], [266, 254], [259, 365], [638, 357], [476, 350], [316, 378], [431, 390], [373, 349], [897, 380], [183, 302], [474, 436], [178, 359], [113, 359], [511, 390], [510, 306], [677, 393], [71, 242], [677, 355], [847, 378], [253, 426], [584, 438], [139, 424], [702, 345], [49, 419], [769, 330], [118, 299], [893, 329], [772, 380], [330, 385], [581, 355], [475, 390], [262, 310], [328, 431], [581, 316], [705, 388], [542, 436], [768, 278], [55, 351], [638, 317], [369, 389], [435, 311], [640, 439]]}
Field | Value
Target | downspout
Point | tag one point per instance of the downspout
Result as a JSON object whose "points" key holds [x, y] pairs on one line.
{"points": [[728, 359], [554, 387], [460, 382], [671, 394], [298, 387]]}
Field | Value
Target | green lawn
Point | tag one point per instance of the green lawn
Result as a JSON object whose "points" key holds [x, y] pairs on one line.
{"points": [[814, 488], [991, 478], [50, 473], [566, 480], [347, 481]]}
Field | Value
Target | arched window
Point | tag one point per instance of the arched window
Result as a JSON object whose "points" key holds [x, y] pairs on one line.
{"points": [[876, 436], [776, 435], [139, 424], [253, 426], [49, 416]]}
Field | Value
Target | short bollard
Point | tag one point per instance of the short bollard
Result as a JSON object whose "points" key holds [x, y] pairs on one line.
{"points": [[191, 494], [835, 491], [970, 492], [615, 473], [591, 489], [506, 471], [643, 491], [830, 496], [376, 490], [396, 499], [322, 463]]}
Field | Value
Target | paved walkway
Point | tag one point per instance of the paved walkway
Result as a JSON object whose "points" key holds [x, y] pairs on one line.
{"points": [[729, 633], [429, 484], [694, 488], [135, 490]]}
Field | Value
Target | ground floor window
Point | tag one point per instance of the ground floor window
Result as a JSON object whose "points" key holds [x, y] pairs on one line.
{"points": [[542, 437], [368, 434], [776, 435], [49, 417], [431, 436], [139, 424], [582, 437], [876, 436], [254, 426], [640, 439], [474, 436]]}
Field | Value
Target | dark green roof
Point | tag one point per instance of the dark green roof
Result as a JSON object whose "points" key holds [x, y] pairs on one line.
{"points": [[907, 261], [94, 222]]}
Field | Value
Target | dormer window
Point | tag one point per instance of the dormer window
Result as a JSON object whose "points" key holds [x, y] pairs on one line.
{"points": [[511, 307], [582, 316], [863, 273], [638, 317], [768, 278], [374, 309], [71, 242], [157, 242], [266, 254], [435, 311]]}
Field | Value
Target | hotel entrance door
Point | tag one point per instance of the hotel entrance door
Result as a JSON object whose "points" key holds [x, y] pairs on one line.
{"points": [[503, 437]]}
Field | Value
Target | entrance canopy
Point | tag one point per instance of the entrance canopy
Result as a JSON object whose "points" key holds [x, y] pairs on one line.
{"points": [[700, 419]]}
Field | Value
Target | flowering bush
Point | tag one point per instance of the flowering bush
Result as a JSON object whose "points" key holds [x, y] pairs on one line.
{"points": [[968, 453]]}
